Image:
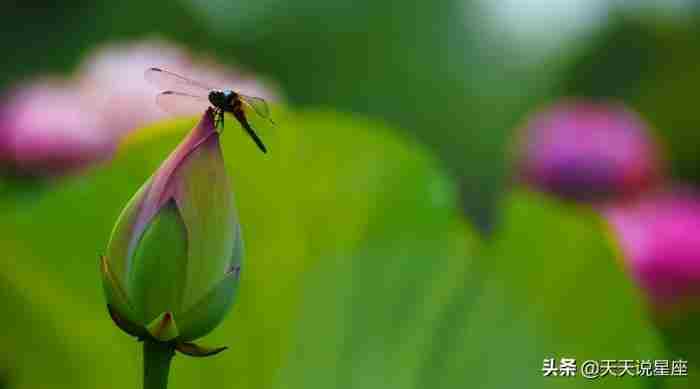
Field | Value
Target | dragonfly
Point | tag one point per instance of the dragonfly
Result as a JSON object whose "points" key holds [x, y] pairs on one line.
{"points": [[181, 93]]}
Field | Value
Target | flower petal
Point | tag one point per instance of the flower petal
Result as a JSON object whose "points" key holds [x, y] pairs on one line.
{"points": [[117, 299], [208, 312], [163, 327], [119, 256], [125, 325], [202, 190], [159, 188], [194, 350], [160, 265]]}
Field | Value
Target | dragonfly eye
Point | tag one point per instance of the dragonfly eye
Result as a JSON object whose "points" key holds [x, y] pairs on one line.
{"points": [[217, 98], [228, 96]]}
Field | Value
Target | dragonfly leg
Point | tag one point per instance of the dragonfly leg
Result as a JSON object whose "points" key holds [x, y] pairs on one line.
{"points": [[219, 119]]}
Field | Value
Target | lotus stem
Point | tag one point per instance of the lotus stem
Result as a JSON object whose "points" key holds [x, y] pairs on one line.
{"points": [[156, 363]]}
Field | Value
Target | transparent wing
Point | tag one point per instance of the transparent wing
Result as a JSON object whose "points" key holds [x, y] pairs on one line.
{"points": [[171, 81], [180, 103], [258, 105]]}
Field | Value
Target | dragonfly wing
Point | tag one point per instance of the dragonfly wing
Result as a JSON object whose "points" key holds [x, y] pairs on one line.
{"points": [[180, 103], [258, 105], [167, 80]]}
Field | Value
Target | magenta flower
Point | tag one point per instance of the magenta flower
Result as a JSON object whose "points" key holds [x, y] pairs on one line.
{"points": [[46, 130], [659, 238], [588, 151]]}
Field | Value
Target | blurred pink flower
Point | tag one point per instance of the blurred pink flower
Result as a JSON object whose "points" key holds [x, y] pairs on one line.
{"points": [[659, 237], [588, 151], [114, 79], [52, 127], [46, 130]]}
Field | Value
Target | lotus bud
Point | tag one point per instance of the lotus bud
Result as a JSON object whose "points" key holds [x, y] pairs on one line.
{"points": [[588, 151], [172, 266], [46, 130], [659, 239]]}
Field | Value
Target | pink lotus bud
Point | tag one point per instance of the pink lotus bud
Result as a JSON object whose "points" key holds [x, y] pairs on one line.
{"points": [[173, 262], [45, 129], [659, 238], [588, 151]]}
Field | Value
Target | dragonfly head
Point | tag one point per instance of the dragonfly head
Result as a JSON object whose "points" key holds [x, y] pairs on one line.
{"points": [[217, 98], [222, 98]]}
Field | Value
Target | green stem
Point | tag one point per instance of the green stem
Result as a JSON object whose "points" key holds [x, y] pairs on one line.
{"points": [[156, 363]]}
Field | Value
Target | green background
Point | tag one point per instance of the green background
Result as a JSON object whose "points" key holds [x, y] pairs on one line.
{"points": [[385, 245]]}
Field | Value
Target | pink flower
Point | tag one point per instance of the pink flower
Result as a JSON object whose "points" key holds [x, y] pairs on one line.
{"points": [[53, 127], [588, 151], [659, 237], [113, 77], [46, 130]]}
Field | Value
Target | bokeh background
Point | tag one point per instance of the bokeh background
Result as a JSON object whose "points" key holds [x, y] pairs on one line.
{"points": [[456, 190]]}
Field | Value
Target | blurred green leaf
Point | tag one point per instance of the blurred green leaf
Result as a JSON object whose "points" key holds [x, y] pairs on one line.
{"points": [[332, 186], [369, 318], [561, 293], [548, 286], [31, 337]]}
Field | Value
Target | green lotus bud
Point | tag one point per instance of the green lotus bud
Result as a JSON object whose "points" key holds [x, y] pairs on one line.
{"points": [[172, 266]]}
